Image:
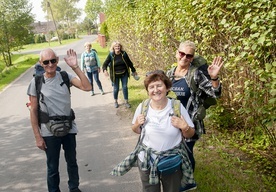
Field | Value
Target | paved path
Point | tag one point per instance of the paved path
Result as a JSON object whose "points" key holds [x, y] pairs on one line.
{"points": [[104, 139]]}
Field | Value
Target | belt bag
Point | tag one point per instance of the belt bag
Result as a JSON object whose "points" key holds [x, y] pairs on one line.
{"points": [[59, 128], [169, 164]]}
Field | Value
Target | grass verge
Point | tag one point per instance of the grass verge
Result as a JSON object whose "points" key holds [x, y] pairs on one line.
{"points": [[21, 63]]}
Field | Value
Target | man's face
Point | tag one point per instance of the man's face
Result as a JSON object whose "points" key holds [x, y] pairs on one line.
{"points": [[185, 55], [49, 61]]}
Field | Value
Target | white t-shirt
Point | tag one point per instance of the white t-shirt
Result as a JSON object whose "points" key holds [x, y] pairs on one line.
{"points": [[56, 98], [160, 134]]}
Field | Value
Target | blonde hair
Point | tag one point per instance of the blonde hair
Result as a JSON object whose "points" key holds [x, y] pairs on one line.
{"points": [[113, 45], [187, 44], [87, 43]]}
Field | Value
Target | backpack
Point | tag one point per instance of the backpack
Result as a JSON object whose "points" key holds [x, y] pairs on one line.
{"points": [[39, 70], [175, 106], [206, 101]]}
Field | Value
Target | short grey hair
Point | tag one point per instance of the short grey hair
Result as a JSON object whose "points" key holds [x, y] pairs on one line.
{"points": [[187, 44], [45, 50]]}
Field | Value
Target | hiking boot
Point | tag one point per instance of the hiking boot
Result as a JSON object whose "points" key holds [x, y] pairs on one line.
{"points": [[92, 93], [188, 187], [116, 105], [127, 105], [102, 92]]}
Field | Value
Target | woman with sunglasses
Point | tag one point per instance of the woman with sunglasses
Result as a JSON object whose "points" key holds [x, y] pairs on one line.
{"points": [[119, 67], [207, 84], [161, 134]]}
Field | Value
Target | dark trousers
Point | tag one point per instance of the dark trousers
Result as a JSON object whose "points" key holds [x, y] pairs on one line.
{"points": [[68, 144], [94, 74], [191, 145], [116, 86]]}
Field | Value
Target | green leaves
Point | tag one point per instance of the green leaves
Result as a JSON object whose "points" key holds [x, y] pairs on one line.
{"points": [[243, 32]]}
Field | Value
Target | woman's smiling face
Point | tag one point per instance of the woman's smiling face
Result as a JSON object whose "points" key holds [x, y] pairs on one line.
{"points": [[157, 90]]}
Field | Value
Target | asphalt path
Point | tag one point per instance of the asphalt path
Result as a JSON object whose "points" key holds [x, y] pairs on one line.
{"points": [[104, 139]]}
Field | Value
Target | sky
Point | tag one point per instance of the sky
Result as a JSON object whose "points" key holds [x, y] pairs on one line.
{"points": [[40, 15]]}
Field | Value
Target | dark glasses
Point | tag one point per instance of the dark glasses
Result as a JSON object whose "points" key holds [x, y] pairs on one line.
{"points": [[188, 56], [155, 72], [46, 62]]}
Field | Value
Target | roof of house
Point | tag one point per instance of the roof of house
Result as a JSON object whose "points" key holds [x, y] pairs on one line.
{"points": [[43, 27]]}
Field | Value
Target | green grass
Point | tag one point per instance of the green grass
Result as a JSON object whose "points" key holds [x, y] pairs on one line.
{"points": [[46, 44], [21, 63]]}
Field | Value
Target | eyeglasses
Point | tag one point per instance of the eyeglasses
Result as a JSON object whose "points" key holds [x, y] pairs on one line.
{"points": [[46, 62], [155, 72], [188, 56]]}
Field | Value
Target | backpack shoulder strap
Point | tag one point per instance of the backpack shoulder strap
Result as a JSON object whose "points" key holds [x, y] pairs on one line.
{"points": [[170, 73], [190, 78], [145, 107], [39, 79], [65, 79], [176, 107]]}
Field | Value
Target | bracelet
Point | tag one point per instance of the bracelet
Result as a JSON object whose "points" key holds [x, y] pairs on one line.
{"points": [[215, 79], [75, 67]]}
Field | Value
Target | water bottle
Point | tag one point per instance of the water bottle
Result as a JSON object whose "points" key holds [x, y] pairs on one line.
{"points": [[135, 76]]}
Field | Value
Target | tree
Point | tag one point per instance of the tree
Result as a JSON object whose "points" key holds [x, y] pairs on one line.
{"points": [[15, 21], [93, 8], [61, 14], [87, 25]]}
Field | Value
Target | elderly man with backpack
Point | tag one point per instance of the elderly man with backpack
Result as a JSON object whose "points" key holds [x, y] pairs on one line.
{"points": [[196, 85], [52, 118]]}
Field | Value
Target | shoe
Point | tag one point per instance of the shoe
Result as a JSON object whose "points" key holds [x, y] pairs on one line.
{"points": [[116, 105], [92, 93], [188, 187], [127, 105], [75, 190], [102, 92]]}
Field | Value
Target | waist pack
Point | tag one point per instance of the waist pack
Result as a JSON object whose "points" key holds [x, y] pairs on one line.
{"points": [[169, 164], [59, 126]]}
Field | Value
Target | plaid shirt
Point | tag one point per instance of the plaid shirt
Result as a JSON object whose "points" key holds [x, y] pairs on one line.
{"points": [[130, 161], [205, 86]]}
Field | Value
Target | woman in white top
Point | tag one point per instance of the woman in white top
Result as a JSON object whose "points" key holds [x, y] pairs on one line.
{"points": [[162, 135]]}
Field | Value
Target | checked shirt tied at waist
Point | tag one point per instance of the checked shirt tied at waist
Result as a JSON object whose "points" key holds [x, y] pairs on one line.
{"points": [[131, 160]]}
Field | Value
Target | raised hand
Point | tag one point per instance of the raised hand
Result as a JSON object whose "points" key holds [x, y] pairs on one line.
{"points": [[71, 58], [215, 67]]}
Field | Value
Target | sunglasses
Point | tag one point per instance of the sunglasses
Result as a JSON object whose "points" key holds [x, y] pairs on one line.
{"points": [[188, 56], [155, 72], [46, 62]]}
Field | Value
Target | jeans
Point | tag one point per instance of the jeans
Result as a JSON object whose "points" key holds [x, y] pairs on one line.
{"points": [[94, 74], [53, 144], [116, 86], [191, 145], [170, 183]]}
